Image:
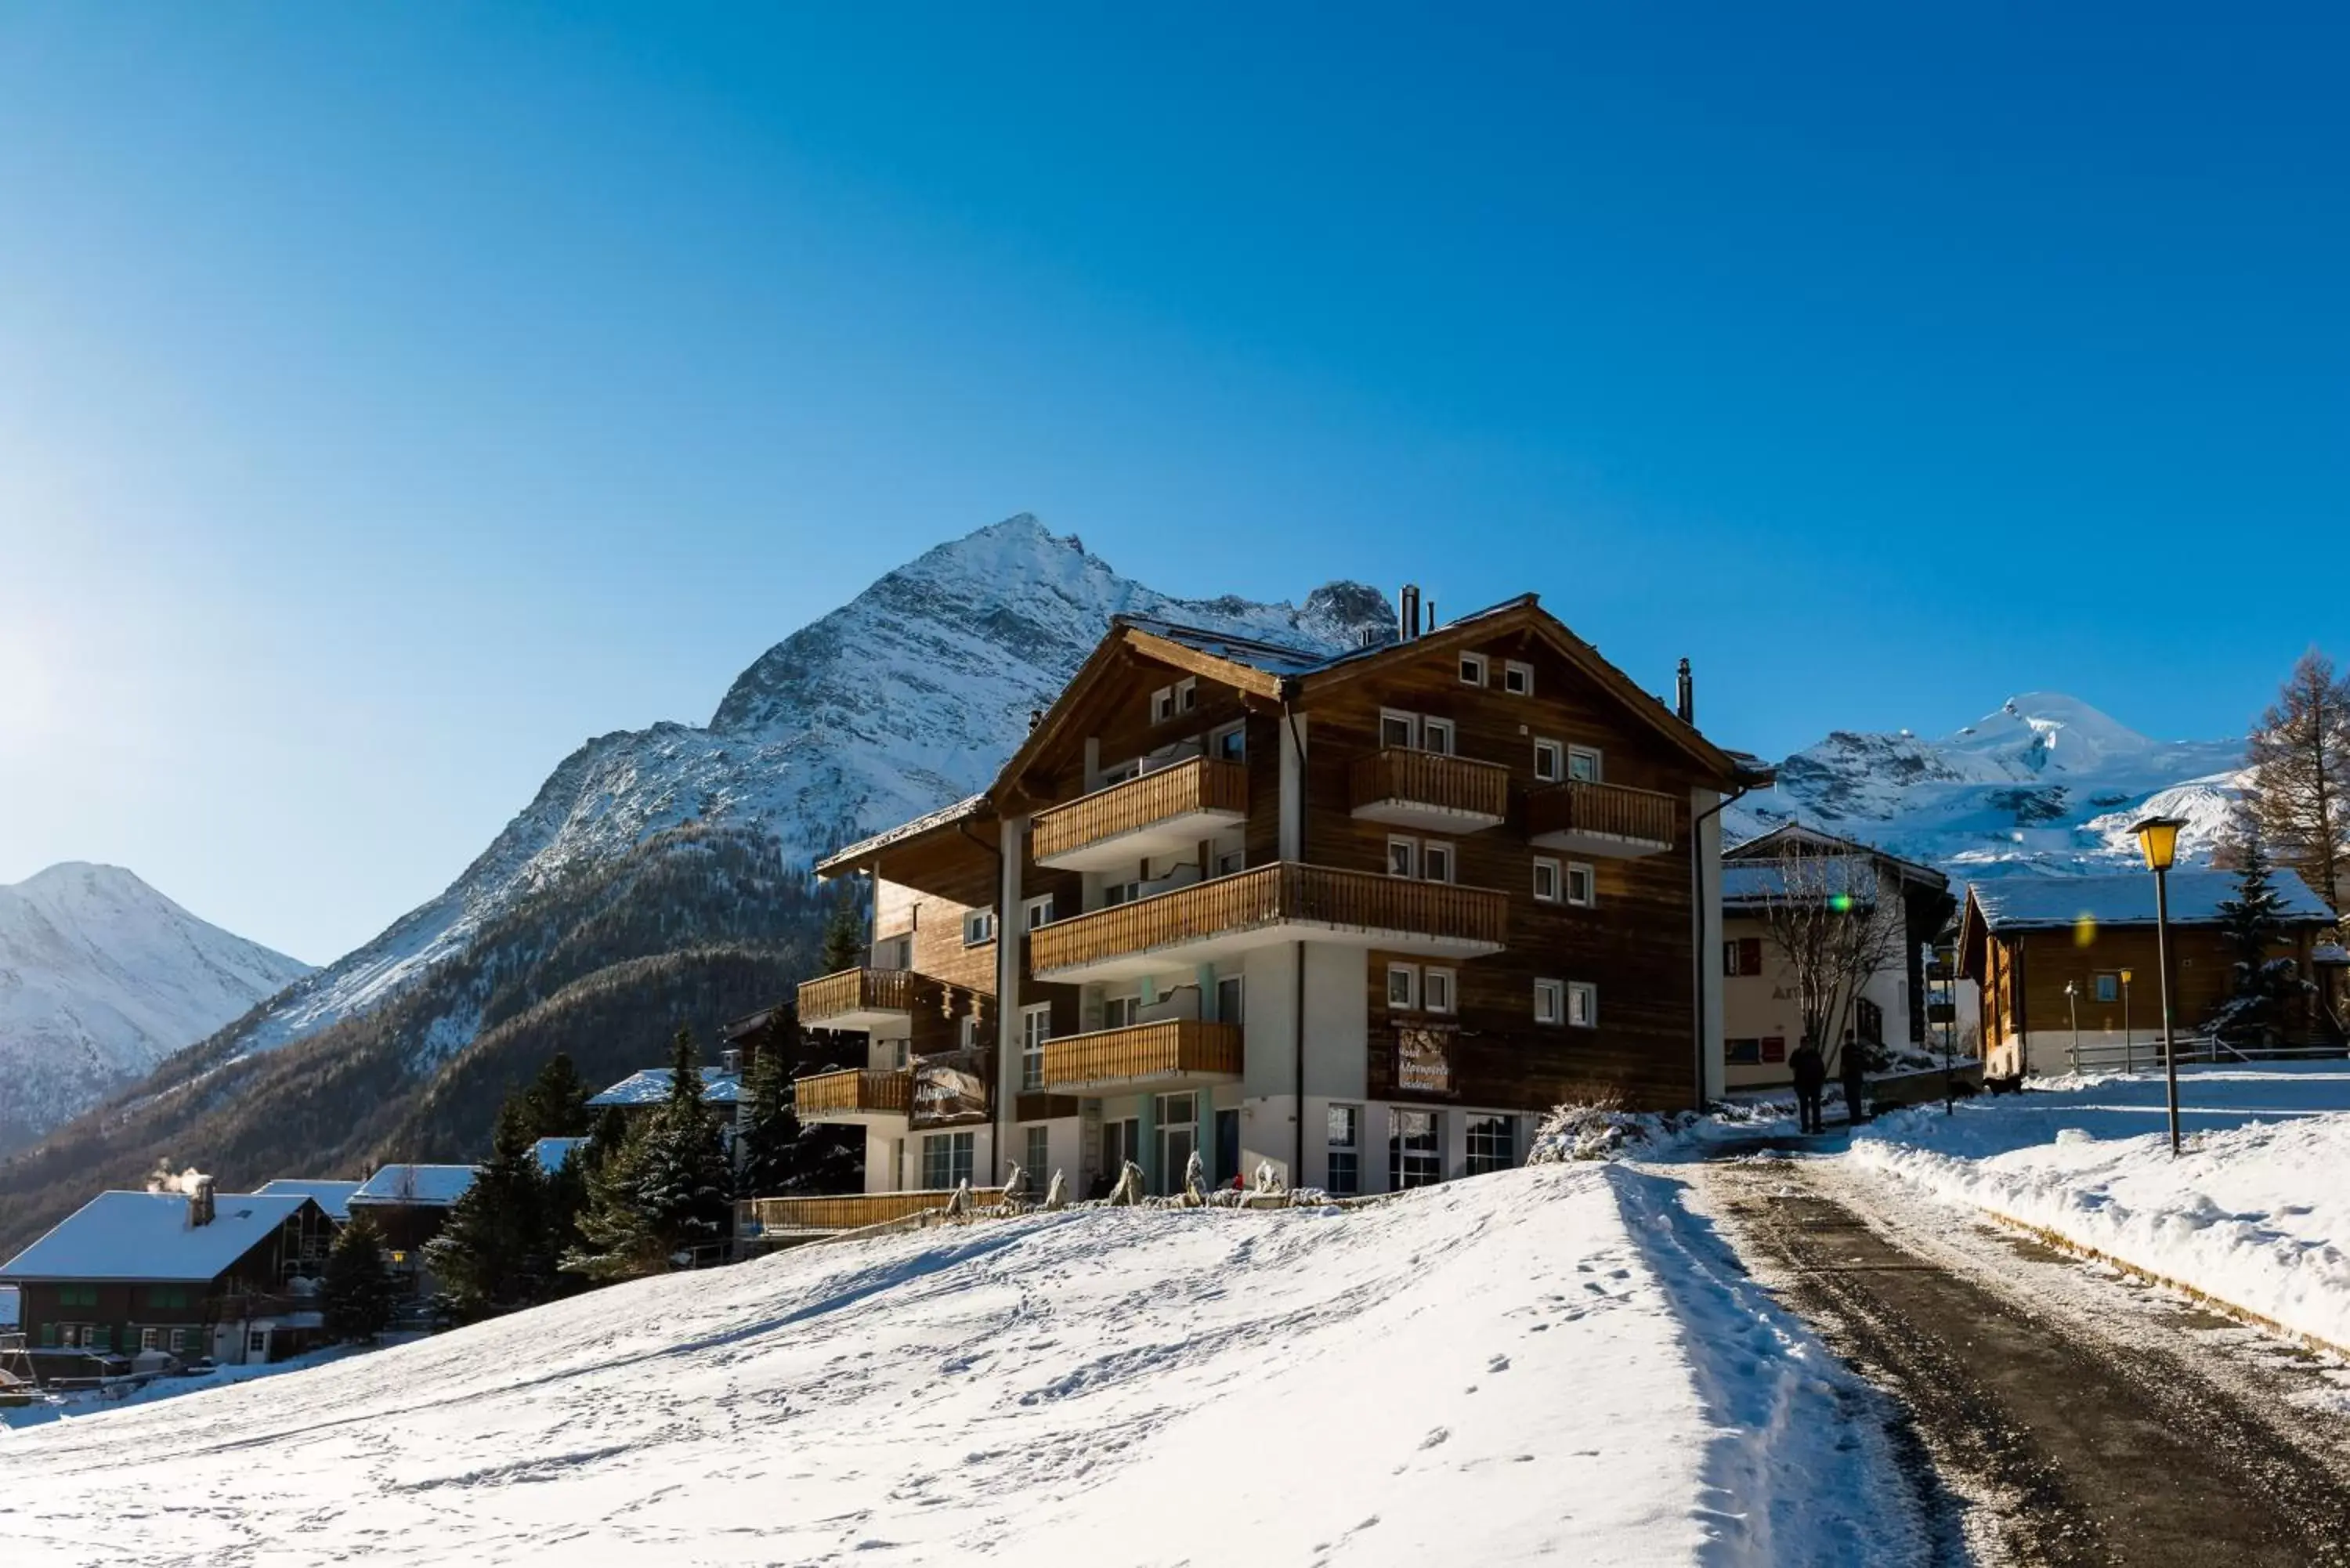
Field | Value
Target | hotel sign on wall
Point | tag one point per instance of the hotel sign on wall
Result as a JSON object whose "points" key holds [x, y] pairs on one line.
{"points": [[1423, 1060], [951, 1087]]}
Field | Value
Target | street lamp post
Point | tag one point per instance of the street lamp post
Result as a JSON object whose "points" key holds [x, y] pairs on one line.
{"points": [[2072, 1005], [2158, 837], [2129, 1040]]}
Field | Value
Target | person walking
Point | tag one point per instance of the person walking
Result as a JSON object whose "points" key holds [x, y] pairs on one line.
{"points": [[1854, 1072], [1811, 1071]]}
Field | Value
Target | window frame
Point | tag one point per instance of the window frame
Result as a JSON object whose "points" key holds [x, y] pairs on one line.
{"points": [[1411, 845], [1162, 706], [1517, 678], [1410, 974], [1550, 1002], [1187, 695], [1429, 976], [2098, 983], [1557, 869], [982, 920], [1221, 737], [1424, 1165], [1036, 1031], [1590, 874], [1350, 1151], [958, 1149], [1411, 722], [1237, 1014], [1037, 1143], [1430, 849], [1586, 993], [1129, 1002], [1478, 662], [1555, 751], [1432, 727], [1598, 764], [1030, 909], [1487, 1161]]}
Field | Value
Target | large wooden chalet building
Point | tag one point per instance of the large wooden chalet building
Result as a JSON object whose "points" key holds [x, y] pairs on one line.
{"points": [[1361, 917]]}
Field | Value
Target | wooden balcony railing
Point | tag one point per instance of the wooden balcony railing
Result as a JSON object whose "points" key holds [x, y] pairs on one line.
{"points": [[853, 1092], [1173, 1047], [856, 990], [1272, 895], [848, 1212], [1202, 784], [1431, 778], [1607, 810]]}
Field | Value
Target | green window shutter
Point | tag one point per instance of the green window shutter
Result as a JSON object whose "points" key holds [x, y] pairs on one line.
{"points": [[106, 1336], [50, 1335]]}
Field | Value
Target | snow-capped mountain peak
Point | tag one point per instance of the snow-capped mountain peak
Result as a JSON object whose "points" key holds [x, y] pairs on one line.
{"points": [[100, 978]]}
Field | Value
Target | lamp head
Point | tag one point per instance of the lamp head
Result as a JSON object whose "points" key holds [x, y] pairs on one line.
{"points": [[2158, 839]]}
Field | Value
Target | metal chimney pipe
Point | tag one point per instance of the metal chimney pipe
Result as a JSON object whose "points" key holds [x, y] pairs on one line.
{"points": [[1685, 695], [1407, 613]]}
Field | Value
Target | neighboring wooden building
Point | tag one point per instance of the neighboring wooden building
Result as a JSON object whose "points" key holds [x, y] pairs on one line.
{"points": [[1361, 917], [232, 1275], [410, 1204], [1762, 1016], [2022, 939]]}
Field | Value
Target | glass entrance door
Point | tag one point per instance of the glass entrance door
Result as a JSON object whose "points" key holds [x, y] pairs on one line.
{"points": [[1178, 1135]]}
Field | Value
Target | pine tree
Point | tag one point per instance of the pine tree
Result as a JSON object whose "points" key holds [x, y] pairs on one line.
{"points": [[684, 1182], [556, 1104], [358, 1289], [2251, 918], [771, 1128], [843, 937], [494, 1253], [617, 1240], [2299, 787]]}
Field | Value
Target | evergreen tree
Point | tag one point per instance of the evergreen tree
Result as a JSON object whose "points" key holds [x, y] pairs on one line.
{"points": [[771, 1128], [2252, 921], [684, 1182], [617, 1240], [359, 1288], [2299, 787], [556, 1104], [845, 946], [566, 1202], [494, 1252]]}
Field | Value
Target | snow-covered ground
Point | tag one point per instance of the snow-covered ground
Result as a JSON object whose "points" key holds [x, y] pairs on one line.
{"points": [[2255, 1213], [1554, 1363]]}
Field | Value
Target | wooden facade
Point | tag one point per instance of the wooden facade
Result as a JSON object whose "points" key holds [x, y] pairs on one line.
{"points": [[1228, 823]]}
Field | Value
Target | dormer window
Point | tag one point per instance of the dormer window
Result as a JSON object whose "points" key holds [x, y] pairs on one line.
{"points": [[1472, 670], [1518, 680]]}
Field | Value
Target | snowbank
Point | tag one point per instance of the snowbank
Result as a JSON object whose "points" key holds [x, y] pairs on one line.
{"points": [[1554, 1363], [2255, 1213]]}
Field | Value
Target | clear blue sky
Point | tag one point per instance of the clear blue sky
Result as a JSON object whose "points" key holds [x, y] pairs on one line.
{"points": [[391, 397]]}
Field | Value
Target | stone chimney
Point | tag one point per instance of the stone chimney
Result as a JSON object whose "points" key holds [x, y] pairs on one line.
{"points": [[200, 1201]]}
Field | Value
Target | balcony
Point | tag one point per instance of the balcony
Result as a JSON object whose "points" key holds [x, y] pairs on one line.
{"points": [[801, 1216], [861, 1096], [1608, 821], [1160, 813], [865, 999], [1430, 791], [1175, 1050], [1286, 902]]}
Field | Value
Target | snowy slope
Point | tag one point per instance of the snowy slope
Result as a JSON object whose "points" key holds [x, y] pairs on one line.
{"points": [[907, 698], [1545, 1365], [100, 978], [2046, 783]]}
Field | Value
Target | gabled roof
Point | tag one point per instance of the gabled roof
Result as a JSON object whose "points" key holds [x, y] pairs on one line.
{"points": [[424, 1186], [2024, 903], [1769, 846], [334, 1197], [853, 857], [146, 1236], [719, 1087]]}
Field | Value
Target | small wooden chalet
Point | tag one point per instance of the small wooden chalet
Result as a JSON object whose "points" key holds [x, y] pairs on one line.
{"points": [[233, 1276], [2050, 953], [410, 1204]]}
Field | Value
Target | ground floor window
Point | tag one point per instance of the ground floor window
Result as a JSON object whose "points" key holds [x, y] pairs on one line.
{"points": [[148, 1339], [1414, 1158], [1492, 1144], [1038, 1154], [179, 1340], [1178, 1135], [1346, 1150], [257, 1342], [946, 1161]]}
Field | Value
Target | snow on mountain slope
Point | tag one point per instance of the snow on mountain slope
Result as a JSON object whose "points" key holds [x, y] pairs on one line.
{"points": [[907, 698], [1553, 1364], [2046, 784], [102, 977]]}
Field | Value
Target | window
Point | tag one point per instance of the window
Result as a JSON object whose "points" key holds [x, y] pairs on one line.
{"points": [[1492, 1144], [967, 1031], [1546, 881], [1231, 862], [2109, 987], [1742, 955], [1179, 1136], [150, 1339], [1472, 670], [894, 952], [1742, 1053], [162, 1296], [1403, 857], [1187, 694], [1518, 680], [1583, 764], [946, 1161], [78, 1295], [257, 1342], [1344, 1174], [1582, 1004], [1403, 987], [1039, 1151], [1436, 862], [1401, 730], [1162, 704], [1036, 1028], [904, 1051], [1230, 744], [1550, 1002], [1117, 1012], [1120, 893], [1868, 1019], [1119, 774], [1436, 735], [978, 926], [1037, 911], [1550, 761], [1229, 1002], [1414, 1157], [1582, 885], [1436, 990], [179, 1340]]}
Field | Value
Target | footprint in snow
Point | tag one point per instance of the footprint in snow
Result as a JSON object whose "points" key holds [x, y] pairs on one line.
{"points": [[1498, 1364], [1435, 1438]]}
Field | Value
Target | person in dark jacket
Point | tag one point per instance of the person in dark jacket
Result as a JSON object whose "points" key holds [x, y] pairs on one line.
{"points": [[1811, 1071], [1855, 1068]]}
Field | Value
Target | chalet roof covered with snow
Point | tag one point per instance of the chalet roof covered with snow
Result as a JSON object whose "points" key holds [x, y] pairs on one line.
{"points": [[334, 1197], [2047, 903], [1754, 882], [852, 856], [147, 1235], [651, 1087], [434, 1186]]}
